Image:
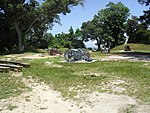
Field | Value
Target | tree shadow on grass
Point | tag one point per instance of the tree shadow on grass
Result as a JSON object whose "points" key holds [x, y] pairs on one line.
{"points": [[135, 55]]}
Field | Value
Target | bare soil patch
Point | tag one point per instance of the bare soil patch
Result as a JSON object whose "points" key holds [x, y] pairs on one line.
{"points": [[43, 99], [31, 56]]}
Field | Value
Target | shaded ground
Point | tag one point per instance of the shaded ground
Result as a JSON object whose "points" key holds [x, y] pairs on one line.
{"points": [[131, 56]]}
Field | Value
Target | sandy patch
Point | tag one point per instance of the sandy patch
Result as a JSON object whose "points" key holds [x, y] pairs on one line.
{"points": [[28, 56], [43, 99], [114, 86], [105, 103], [51, 64]]}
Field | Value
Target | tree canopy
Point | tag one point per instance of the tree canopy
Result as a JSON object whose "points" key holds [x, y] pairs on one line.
{"points": [[68, 40], [107, 24], [94, 30], [146, 2], [23, 17], [114, 16], [132, 26]]}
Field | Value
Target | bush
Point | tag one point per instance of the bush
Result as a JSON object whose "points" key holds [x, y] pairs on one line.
{"points": [[143, 36]]}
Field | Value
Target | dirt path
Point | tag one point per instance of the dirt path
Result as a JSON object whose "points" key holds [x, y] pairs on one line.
{"points": [[43, 99], [31, 56]]}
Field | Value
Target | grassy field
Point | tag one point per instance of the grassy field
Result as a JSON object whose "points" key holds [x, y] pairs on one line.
{"points": [[72, 78], [134, 47]]}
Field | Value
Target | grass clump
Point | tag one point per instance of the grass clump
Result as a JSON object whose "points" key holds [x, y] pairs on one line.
{"points": [[97, 55], [10, 86], [11, 107]]}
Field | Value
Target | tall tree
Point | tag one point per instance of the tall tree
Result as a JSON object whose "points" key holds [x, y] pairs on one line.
{"points": [[145, 19], [71, 34], [20, 17], [107, 25], [132, 28], [24, 16], [95, 30], [143, 35], [77, 39], [74, 37], [114, 16]]}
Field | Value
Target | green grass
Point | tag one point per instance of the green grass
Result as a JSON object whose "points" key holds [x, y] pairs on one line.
{"points": [[75, 77], [134, 47], [11, 107], [98, 54], [10, 86]]}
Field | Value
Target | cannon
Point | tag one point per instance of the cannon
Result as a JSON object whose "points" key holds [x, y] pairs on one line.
{"points": [[127, 48], [72, 55], [53, 51]]}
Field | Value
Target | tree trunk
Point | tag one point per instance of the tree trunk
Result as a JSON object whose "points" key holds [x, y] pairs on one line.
{"points": [[19, 33], [98, 43]]}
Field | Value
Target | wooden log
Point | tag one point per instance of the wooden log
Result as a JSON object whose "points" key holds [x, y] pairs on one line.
{"points": [[11, 66], [16, 63], [4, 69]]}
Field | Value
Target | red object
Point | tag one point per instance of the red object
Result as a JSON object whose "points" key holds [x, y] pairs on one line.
{"points": [[53, 51]]}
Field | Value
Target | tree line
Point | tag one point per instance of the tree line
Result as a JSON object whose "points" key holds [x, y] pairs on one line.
{"points": [[24, 25]]}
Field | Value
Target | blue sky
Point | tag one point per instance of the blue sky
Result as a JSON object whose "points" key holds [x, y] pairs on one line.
{"points": [[81, 14]]}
